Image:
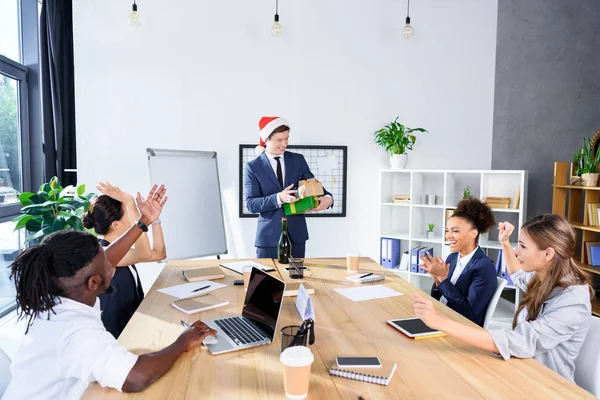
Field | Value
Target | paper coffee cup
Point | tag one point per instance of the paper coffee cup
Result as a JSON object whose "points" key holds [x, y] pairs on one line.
{"points": [[352, 261], [296, 362]]}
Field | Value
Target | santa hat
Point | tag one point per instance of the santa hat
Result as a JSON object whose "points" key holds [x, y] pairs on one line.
{"points": [[267, 125]]}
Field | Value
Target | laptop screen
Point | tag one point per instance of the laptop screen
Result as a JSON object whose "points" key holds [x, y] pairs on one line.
{"points": [[263, 301]]}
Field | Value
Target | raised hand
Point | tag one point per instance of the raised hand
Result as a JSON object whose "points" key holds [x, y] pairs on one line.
{"points": [[195, 334], [115, 192], [436, 267], [505, 229], [151, 207]]}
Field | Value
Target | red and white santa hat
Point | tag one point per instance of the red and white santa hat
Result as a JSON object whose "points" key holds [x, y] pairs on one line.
{"points": [[267, 125]]}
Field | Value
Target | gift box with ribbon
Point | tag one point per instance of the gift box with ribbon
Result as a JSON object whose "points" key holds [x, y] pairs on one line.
{"points": [[300, 206], [310, 187]]}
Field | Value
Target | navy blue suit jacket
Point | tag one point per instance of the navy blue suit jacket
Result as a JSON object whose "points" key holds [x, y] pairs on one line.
{"points": [[262, 188], [474, 288]]}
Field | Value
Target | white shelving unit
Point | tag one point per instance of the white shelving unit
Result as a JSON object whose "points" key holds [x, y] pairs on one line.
{"points": [[408, 222]]}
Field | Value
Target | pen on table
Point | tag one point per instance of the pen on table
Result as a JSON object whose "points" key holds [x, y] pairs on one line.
{"points": [[365, 275], [184, 324], [201, 288]]}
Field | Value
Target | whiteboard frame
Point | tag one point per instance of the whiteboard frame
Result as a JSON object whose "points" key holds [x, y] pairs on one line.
{"points": [[152, 152]]}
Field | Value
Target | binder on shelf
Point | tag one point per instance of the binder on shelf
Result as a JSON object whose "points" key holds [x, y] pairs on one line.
{"points": [[392, 252], [422, 253], [595, 256], [446, 251], [384, 247], [405, 261], [414, 258], [503, 270]]}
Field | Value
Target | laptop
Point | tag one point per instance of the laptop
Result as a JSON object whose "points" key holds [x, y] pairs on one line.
{"points": [[256, 326]]}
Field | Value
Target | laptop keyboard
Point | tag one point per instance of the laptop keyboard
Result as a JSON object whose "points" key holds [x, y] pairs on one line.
{"points": [[239, 330]]}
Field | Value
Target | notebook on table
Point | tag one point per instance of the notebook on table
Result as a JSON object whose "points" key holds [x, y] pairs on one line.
{"points": [[380, 376], [367, 279], [291, 289], [201, 302], [203, 274]]}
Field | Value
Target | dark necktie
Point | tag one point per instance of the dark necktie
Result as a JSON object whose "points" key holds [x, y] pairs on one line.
{"points": [[279, 172]]}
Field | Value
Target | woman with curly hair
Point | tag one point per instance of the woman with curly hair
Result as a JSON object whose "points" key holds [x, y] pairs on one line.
{"points": [[466, 281]]}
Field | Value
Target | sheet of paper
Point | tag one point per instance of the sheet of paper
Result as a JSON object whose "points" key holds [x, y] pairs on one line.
{"points": [[186, 290], [304, 304], [239, 266], [368, 292], [327, 163]]}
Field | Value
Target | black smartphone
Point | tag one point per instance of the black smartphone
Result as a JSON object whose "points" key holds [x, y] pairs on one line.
{"points": [[238, 282], [358, 362]]}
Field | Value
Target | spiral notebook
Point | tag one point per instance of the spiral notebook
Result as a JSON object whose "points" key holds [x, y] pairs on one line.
{"points": [[201, 302], [380, 376], [367, 279]]}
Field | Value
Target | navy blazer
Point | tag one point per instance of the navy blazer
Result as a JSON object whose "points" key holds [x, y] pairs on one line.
{"points": [[474, 288], [262, 188]]}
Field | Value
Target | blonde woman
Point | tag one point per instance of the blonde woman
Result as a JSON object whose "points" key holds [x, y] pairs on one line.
{"points": [[554, 316]]}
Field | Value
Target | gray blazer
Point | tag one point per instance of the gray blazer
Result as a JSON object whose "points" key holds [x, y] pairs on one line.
{"points": [[556, 336]]}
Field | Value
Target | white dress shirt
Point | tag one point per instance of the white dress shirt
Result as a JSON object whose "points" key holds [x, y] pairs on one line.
{"points": [[58, 358], [273, 162], [461, 263]]}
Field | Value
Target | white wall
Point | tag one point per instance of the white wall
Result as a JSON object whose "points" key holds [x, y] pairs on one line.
{"points": [[199, 74]]}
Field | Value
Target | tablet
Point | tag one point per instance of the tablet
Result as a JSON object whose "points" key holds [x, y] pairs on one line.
{"points": [[412, 327]]}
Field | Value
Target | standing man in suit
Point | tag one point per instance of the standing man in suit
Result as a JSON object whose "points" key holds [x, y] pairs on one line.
{"points": [[270, 182]]}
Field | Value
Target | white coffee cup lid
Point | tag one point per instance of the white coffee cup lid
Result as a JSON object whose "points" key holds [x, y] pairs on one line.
{"points": [[352, 255], [297, 356]]}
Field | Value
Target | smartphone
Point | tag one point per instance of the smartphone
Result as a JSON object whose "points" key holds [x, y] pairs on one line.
{"points": [[358, 362]]}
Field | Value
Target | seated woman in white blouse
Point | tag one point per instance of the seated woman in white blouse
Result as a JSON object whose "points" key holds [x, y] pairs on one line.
{"points": [[554, 316]]}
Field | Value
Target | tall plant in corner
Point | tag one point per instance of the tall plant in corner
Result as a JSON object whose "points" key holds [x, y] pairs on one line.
{"points": [[397, 139], [52, 208], [587, 163]]}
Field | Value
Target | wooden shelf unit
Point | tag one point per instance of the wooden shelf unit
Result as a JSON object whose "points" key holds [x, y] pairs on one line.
{"points": [[572, 202]]}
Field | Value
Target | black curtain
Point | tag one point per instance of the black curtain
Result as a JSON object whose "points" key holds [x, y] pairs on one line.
{"points": [[58, 90]]}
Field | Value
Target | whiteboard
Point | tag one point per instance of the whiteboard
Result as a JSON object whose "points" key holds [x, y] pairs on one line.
{"points": [[192, 219]]}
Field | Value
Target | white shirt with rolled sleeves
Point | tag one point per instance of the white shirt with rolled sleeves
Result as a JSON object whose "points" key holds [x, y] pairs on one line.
{"points": [[555, 337], [60, 357], [273, 163]]}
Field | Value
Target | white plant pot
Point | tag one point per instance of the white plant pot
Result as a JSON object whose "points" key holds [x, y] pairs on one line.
{"points": [[430, 235], [590, 179], [398, 161]]}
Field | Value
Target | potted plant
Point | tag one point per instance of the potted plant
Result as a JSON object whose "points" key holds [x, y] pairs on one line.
{"points": [[586, 163], [430, 231], [466, 192], [52, 208], [396, 139]]}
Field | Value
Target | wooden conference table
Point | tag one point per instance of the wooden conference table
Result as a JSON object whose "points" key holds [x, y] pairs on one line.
{"points": [[427, 369]]}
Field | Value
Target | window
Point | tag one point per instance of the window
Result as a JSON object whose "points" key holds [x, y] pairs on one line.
{"points": [[10, 45], [20, 126], [10, 246]]}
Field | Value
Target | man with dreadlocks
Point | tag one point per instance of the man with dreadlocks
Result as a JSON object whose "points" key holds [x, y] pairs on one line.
{"points": [[66, 346]]}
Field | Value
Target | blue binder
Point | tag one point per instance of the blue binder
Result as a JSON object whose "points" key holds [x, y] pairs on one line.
{"points": [[421, 253], [595, 255], [391, 249], [414, 259], [503, 270]]}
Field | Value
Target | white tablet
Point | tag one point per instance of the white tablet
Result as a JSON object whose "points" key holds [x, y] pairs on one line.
{"points": [[412, 327]]}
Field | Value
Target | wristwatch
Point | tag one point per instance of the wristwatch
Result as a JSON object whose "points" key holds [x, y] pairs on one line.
{"points": [[141, 225]]}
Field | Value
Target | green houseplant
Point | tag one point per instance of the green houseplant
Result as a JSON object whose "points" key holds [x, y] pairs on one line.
{"points": [[586, 163], [430, 231], [397, 139], [466, 192], [52, 208]]}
